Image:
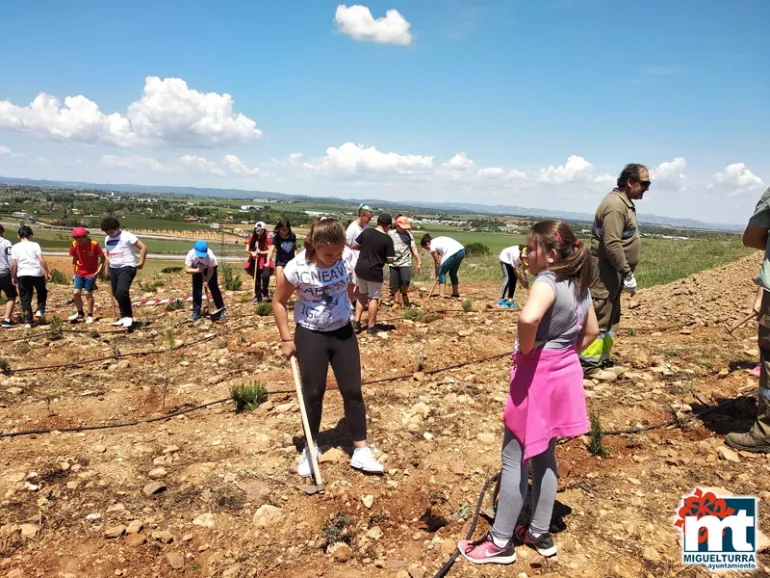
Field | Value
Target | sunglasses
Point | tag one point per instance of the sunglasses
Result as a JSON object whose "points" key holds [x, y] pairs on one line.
{"points": [[645, 184]]}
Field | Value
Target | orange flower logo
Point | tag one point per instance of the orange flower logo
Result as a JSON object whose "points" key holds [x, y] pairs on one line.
{"points": [[699, 505]]}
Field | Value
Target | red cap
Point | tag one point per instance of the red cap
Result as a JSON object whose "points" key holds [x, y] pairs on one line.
{"points": [[79, 232]]}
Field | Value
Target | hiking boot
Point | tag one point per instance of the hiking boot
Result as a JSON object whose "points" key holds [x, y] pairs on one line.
{"points": [[618, 370], [76, 316], [9, 323], [484, 551], [89, 320], [363, 459], [304, 468], [601, 375], [747, 442], [194, 317], [543, 543]]}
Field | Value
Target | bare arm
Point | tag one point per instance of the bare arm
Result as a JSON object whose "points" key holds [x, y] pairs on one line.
{"points": [[541, 298], [589, 332], [283, 291], [75, 265], [755, 238], [44, 267], [101, 265], [758, 300], [142, 254], [416, 254], [13, 271]]}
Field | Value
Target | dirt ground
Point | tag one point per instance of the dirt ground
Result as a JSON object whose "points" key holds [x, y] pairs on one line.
{"points": [[225, 501]]}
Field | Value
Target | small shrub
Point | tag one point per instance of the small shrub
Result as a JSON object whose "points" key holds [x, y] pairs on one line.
{"points": [[334, 531], [151, 286], [94, 334], [595, 445], [477, 249], [414, 314], [169, 270], [55, 328], [59, 278], [420, 362], [248, 397], [230, 277], [5, 366], [264, 309], [467, 305], [633, 332], [464, 513], [175, 304]]}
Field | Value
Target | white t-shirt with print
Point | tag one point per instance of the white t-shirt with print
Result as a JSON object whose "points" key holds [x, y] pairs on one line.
{"points": [[322, 293], [27, 256], [192, 260], [120, 250], [349, 258], [445, 247], [511, 255]]}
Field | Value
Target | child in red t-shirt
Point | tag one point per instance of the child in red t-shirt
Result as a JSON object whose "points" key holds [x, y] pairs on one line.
{"points": [[87, 263]]}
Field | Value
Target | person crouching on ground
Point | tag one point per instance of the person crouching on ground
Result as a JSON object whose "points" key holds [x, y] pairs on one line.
{"points": [[324, 335], [447, 255], [512, 264], [401, 268], [87, 262], [29, 272], [376, 249], [546, 397], [201, 263], [120, 249]]}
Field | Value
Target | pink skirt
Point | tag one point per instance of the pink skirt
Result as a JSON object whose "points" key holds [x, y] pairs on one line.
{"points": [[546, 399]]}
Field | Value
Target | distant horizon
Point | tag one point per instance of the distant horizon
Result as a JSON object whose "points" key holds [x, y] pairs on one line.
{"points": [[250, 194]]}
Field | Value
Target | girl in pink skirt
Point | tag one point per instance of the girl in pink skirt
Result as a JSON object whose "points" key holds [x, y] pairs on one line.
{"points": [[546, 397]]}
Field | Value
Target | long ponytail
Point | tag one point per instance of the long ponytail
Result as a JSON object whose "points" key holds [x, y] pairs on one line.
{"points": [[574, 255]]}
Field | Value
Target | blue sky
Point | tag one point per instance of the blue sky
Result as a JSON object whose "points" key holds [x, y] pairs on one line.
{"points": [[538, 104]]}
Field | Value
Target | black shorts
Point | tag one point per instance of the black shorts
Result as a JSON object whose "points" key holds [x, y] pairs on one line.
{"points": [[7, 287], [400, 277]]}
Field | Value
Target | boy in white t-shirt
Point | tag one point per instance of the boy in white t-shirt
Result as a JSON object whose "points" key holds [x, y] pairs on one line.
{"points": [[29, 272], [119, 247], [352, 232], [201, 263], [511, 262]]}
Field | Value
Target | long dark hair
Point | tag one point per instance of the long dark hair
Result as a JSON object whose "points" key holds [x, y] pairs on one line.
{"points": [[258, 235], [574, 255], [323, 232], [282, 224]]}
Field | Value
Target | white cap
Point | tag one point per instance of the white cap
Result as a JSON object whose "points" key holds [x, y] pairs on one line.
{"points": [[260, 225]]}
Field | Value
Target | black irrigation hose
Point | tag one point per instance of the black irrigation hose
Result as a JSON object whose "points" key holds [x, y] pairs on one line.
{"points": [[439, 370], [449, 563]]}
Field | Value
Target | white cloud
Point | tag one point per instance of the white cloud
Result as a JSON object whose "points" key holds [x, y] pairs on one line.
{"points": [[200, 165], [499, 173], [294, 157], [575, 169], [736, 179], [238, 167], [6, 152], [169, 113], [135, 163], [357, 22], [669, 174], [354, 158], [459, 162]]}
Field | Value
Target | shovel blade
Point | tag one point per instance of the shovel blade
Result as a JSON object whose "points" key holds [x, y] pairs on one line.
{"points": [[310, 489]]}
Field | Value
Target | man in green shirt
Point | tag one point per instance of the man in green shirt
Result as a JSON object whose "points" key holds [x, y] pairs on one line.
{"points": [[757, 439], [615, 250]]}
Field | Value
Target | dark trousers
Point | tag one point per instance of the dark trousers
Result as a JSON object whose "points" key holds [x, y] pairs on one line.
{"points": [[315, 351], [27, 285], [197, 290], [120, 281], [509, 280], [262, 282]]}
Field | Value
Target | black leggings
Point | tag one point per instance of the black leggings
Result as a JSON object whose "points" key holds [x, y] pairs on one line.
{"points": [[120, 281], [28, 284], [262, 282], [509, 280], [197, 290], [315, 351]]}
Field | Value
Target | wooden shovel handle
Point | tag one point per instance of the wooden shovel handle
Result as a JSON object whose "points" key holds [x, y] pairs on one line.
{"points": [[305, 423], [749, 317]]}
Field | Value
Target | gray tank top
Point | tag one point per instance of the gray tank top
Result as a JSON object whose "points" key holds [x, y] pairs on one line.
{"points": [[560, 325]]}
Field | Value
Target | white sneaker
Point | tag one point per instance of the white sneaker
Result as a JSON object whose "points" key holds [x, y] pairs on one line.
{"points": [[27, 326], [363, 459], [119, 322], [89, 320], [128, 322], [38, 315], [74, 317], [304, 468]]}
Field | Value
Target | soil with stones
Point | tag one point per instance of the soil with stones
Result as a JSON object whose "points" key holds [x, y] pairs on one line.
{"points": [[213, 492]]}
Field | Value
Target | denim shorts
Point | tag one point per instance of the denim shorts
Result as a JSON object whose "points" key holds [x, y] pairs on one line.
{"points": [[85, 283]]}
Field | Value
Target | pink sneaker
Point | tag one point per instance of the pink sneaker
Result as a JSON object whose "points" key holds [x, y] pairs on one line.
{"points": [[484, 551]]}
